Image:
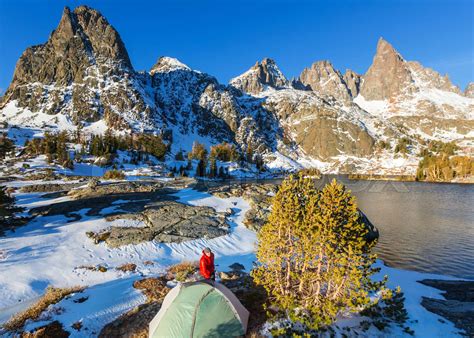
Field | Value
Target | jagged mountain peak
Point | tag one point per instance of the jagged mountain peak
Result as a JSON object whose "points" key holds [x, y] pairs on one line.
{"points": [[387, 76], [384, 47], [167, 64], [325, 80], [469, 91], [262, 75]]}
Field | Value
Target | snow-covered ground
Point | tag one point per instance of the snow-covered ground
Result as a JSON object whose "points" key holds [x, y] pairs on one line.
{"points": [[50, 250]]}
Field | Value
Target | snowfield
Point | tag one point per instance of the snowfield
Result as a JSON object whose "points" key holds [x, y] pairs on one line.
{"points": [[51, 250]]}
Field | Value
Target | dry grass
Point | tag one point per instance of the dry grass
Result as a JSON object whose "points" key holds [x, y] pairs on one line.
{"points": [[129, 267], [182, 270], [153, 288], [52, 296]]}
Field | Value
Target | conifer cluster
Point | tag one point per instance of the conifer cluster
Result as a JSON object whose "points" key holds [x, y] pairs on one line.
{"points": [[313, 257]]}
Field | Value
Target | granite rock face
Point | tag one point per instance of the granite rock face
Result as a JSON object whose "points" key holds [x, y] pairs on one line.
{"points": [[323, 79], [83, 71], [262, 75], [388, 75]]}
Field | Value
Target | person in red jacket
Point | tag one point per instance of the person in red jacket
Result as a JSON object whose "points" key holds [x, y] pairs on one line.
{"points": [[206, 264]]}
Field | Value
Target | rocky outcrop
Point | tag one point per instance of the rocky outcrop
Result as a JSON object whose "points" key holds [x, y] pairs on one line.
{"points": [[262, 75], [169, 222], [458, 305], [353, 81], [323, 79], [319, 128]]}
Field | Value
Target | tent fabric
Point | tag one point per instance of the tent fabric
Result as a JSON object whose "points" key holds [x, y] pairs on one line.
{"points": [[199, 309]]}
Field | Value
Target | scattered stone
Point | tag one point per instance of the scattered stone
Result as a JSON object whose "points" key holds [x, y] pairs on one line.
{"points": [[77, 326], [94, 189]]}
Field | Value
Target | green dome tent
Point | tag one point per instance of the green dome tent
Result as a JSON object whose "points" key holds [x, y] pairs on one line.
{"points": [[199, 309]]}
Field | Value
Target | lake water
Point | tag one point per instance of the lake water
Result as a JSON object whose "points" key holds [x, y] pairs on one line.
{"points": [[427, 227]]}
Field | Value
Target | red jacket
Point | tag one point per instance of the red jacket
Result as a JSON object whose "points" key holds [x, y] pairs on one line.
{"points": [[206, 265]]}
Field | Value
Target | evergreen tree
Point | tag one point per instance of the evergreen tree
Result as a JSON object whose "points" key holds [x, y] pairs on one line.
{"points": [[201, 168], [222, 172], [313, 258], [249, 154], [6, 145], [179, 156], [212, 167], [198, 152], [259, 162]]}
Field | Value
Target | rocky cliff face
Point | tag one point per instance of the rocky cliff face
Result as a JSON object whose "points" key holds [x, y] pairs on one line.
{"points": [[83, 71], [323, 79], [388, 75], [406, 88], [262, 75]]}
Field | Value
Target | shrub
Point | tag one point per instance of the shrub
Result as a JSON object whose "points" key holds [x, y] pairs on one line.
{"points": [[153, 288], [311, 172], [129, 267], [402, 145], [52, 296], [114, 175], [313, 258], [183, 270]]}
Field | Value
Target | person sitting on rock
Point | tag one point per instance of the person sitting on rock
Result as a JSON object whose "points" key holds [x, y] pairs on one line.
{"points": [[206, 265]]}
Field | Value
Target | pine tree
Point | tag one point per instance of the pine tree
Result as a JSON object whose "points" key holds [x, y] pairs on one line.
{"points": [[249, 154], [212, 167], [222, 172], [6, 145], [201, 168], [313, 258]]}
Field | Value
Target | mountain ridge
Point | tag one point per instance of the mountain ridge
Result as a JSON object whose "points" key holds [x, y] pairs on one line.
{"points": [[321, 116]]}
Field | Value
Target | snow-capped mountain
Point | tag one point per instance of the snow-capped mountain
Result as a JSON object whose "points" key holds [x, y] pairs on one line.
{"points": [[262, 75], [82, 76]]}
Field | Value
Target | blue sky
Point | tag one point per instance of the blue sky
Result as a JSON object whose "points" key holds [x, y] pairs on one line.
{"points": [[224, 38]]}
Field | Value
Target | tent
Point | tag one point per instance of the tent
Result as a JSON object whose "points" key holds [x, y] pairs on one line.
{"points": [[199, 309]]}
